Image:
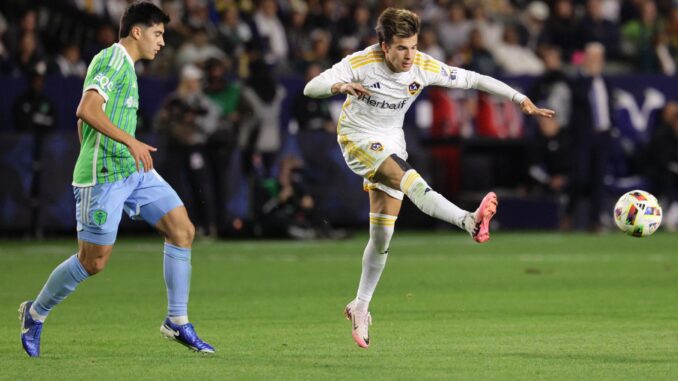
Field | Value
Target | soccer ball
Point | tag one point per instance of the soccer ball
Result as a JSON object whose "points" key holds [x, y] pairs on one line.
{"points": [[637, 213]]}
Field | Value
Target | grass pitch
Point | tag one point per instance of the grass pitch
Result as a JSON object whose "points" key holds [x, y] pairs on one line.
{"points": [[522, 307]]}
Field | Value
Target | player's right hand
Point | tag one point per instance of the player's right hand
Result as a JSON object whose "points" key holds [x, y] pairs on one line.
{"points": [[141, 152], [353, 88]]}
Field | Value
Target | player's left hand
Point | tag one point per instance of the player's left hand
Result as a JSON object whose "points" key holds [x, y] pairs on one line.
{"points": [[530, 109]]}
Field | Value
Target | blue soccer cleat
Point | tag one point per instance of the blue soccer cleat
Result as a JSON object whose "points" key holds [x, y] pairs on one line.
{"points": [[185, 335], [30, 330]]}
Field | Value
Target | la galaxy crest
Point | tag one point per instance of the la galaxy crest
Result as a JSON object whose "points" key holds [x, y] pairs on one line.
{"points": [[413, 88], [376, 146]]}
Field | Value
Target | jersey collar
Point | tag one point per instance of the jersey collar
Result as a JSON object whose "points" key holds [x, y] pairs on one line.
{"points": [[129, 58]]}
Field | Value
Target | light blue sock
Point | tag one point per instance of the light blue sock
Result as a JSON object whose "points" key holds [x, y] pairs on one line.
{"points": [[177, 271], [61, 283]]}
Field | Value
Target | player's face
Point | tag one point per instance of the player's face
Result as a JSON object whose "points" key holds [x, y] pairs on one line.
{"points": [[400, 53], [151, 41]]}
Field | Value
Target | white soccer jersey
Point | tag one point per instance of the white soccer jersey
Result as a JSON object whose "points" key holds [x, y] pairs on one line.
{"points": [[383, 112]]}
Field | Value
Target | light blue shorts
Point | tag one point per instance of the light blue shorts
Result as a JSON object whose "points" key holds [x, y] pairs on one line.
{"points": [[143, 195]]}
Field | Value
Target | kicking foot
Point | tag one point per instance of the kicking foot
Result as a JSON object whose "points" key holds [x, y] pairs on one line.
{"points": [[479, 228], [30, 330], [185, 335], [360, 323]]}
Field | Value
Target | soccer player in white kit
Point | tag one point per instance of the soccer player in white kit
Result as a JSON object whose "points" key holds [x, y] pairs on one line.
{"points": [[381, 82]]}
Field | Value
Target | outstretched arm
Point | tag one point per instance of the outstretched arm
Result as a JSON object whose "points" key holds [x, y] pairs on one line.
{"points": [[530, 109], [497, 87], [90, 110]]}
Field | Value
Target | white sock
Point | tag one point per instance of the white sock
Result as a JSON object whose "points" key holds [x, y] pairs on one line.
{"points": [[36, 316], [430, 201], [374, 257], [179, 320]]}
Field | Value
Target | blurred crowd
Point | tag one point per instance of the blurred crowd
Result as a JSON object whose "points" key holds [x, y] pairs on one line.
{"points": [[490, 36], [220, 107]]}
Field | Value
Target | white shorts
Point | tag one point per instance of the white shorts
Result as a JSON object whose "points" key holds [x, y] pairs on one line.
{"points": [[364, 153]]}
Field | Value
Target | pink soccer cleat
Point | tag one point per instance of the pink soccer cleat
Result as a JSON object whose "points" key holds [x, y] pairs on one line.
{"points": [[360, 322], [482, 217]]}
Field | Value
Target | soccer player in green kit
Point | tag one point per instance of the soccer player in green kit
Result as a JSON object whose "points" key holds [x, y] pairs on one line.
{"points": [[114, 172]]}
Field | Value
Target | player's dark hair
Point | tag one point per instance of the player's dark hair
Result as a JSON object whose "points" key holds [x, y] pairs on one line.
{"points": [[141, 12], [397, 22]]}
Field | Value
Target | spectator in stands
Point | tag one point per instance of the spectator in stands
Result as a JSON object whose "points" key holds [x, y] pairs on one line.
{"points": [[320, 48], [453, 32], [232, 32], [259, 130], [552, 88], [328, 15], [271, 32], [317, 132], [27, 56], [432, 12], [428, 42], [490, 30], [561, 29], [196, 15], [104, 37], [222, 91], [28, 25], [476, 57], [550, 158], [591, 123], [595, 28], [286, 207], [662, 163], [299, 35], [68, 62], [220, 144], [34, 113], [176, 32], [359, 24], [515, 59], [532, 22], [642, 36], [187, 118], [198, 49]]}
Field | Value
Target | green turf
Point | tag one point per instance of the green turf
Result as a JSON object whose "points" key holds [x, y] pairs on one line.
{"points": [[522, 307]]}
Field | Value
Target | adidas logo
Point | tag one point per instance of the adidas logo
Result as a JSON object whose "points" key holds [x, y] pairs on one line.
{"points": [[375, 85]]}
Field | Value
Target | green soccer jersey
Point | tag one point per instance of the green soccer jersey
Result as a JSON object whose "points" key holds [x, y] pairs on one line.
{"points": [[102, 159]]}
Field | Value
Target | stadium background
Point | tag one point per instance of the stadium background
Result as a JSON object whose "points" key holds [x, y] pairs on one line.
{"points": [[231, 181]]}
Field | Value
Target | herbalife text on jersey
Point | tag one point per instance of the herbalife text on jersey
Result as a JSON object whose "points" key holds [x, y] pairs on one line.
{"points": [[383, 104]]}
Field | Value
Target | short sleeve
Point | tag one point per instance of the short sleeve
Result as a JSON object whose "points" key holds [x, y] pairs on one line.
{"points": [[340, 72], [103, 72]]}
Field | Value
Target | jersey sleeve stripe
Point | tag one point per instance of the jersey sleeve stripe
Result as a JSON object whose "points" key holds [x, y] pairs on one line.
{"points": [[366, 56], [367, 63]]}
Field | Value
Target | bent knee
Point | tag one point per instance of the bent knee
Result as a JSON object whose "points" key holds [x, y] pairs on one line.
{"points": [[93, 266], [182, 236]]}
